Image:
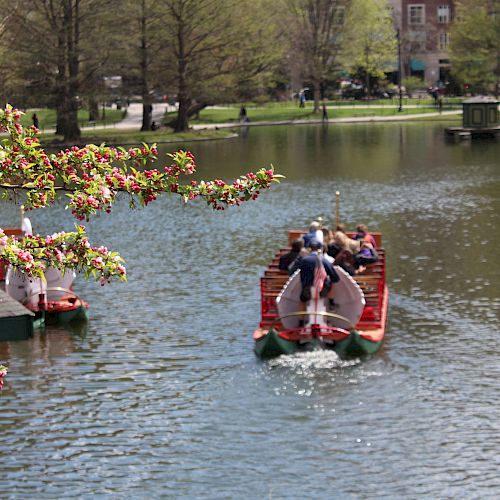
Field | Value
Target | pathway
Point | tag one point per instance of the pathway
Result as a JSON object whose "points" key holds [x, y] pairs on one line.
{"points": [[133, 120], [351, 119]]}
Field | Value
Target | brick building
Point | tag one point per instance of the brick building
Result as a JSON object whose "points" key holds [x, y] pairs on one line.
{"points": [[424, 33]]}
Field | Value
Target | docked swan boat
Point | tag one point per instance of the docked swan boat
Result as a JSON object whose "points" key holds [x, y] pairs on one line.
{"points": [[51, 300], [353, 326]]}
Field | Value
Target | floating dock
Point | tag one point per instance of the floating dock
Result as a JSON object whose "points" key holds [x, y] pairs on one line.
{"points": [[462, 133], [16, 322], [480, 120]]}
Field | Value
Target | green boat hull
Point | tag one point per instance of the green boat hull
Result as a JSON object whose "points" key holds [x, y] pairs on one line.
{"points": [[272, 345], [52, 318], [78, 314]]}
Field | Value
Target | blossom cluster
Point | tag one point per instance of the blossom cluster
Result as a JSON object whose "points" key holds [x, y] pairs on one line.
{"points": [[91, 177], [3, 372], [72, 250]]}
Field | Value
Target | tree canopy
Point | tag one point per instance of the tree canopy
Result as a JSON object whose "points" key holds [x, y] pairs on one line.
{"points": [[315, 28], [211, 47], [475, 44], [199, 51], [62, 48], [369, 41], [91, 178]]}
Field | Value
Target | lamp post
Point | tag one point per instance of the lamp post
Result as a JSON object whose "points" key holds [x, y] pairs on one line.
{"points": [[398, 35]]}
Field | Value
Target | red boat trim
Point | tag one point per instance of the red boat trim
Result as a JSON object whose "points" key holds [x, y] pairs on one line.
{"points": [[314, 331], [376, 334], [63, 305]]}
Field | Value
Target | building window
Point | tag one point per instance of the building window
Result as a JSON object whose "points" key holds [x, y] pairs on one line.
{"points": [[416, 14], [417, 40], [443, 14], [444, 40]]}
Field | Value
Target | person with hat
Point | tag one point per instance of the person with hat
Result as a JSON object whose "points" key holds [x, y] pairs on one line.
{"points": [[315, 233], [308, 275]]}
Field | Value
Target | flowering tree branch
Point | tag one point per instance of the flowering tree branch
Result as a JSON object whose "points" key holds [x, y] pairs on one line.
{"points": [[91, 177], [3, 372]]}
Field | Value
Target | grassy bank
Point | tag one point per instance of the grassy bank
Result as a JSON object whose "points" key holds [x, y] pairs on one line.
{"points": [[290, 111], [118, 137], [272, 112], [47, 118]]}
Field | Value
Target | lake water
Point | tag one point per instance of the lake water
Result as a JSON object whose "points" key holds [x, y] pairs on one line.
{"points": [[161, 396]]}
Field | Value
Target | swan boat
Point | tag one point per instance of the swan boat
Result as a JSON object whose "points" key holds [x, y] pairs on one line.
{"points": [[354, 326], [51, 300]]}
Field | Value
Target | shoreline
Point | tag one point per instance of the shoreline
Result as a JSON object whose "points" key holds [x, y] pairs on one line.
{"points": [[234, 125], [319, 121]]}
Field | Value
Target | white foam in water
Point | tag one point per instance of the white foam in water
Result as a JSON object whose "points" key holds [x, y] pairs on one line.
{"points": [[311, 360]]}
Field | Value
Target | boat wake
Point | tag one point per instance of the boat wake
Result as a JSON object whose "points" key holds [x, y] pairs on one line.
{"points": [[311, 361]]}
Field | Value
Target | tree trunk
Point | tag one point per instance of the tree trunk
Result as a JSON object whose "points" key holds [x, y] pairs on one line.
{"points": [[61, 106], [60, 87], [67, 105], [317, 94], [195, 108], [182, 123], [183, 93], [93, 109], [147, 113], [147, 108], [367, 73]]}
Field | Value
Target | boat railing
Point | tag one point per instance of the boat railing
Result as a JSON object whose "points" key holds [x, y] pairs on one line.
{"points": [[371, 282]]}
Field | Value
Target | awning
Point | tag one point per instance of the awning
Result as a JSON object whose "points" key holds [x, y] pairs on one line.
{"points": [[417, 65]]}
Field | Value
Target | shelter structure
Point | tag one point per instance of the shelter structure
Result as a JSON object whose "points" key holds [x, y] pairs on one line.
{"points": [[480, 119]]}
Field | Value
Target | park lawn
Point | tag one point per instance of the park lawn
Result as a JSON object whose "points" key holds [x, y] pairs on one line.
{"points": [[47, 118], [291, 113], [121, 137], [420, 101]]}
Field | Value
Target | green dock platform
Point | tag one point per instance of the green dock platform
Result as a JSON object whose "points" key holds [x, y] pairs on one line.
{"points": [[16, 322]]}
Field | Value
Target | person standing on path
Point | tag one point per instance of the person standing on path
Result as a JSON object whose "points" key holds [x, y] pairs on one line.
{"points": [[302, 99], [243, 114]]}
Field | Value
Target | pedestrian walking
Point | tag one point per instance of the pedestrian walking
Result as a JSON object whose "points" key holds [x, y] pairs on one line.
{"points": [[243, 114], [302, 99]]}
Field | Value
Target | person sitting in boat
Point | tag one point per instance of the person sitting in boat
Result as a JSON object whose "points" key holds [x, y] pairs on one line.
{"points": [[366, 255], [327, 243], [327, 235], [307, 266], [340, 241], [287, 260], [326, 255], [362, 234], [345, 260], [315, 233]]}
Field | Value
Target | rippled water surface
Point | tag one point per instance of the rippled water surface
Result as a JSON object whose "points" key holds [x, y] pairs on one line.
{"points": [[160, 395]]}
